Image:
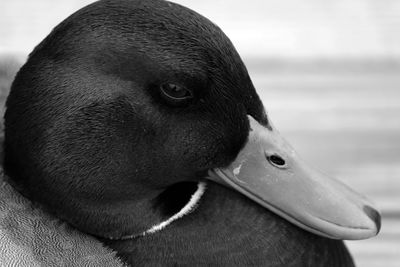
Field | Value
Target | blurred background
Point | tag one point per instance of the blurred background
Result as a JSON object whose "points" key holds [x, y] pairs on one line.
{"points": [[327, 71]]}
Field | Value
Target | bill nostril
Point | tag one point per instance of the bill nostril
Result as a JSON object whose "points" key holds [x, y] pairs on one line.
{"points": [[374, 216], [276, 160]]}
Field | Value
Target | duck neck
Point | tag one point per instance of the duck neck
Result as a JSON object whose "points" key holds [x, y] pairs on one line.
{"points": [[229, 229], [124, 216], [191, 205]]}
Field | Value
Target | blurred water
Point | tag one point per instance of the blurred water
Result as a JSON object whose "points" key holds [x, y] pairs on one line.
{"points": [[267, 28], [348, 124]]}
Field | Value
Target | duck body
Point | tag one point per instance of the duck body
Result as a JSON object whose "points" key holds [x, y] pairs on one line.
{"points": [[119, 115]]}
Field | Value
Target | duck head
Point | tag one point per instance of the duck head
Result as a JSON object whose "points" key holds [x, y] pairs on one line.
{"points": [[127, 105]]}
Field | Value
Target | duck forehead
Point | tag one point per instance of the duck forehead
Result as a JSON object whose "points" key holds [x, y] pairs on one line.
{"points": [[179, 38], [173, 37]]}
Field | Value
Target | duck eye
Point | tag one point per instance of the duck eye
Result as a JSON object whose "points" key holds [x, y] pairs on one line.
{"points": [[175, 93]]}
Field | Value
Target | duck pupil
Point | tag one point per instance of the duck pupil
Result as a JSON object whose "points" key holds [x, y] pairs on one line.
{"points": [[175, 91]]}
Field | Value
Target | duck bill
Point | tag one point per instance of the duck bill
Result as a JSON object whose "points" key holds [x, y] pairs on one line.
{"points": [[268, 171]]}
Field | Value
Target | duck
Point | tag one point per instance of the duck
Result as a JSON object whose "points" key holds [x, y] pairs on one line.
{"points": [[137, 123]]}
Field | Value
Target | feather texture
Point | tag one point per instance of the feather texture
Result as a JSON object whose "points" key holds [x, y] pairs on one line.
{"points": [[31, 237]]}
